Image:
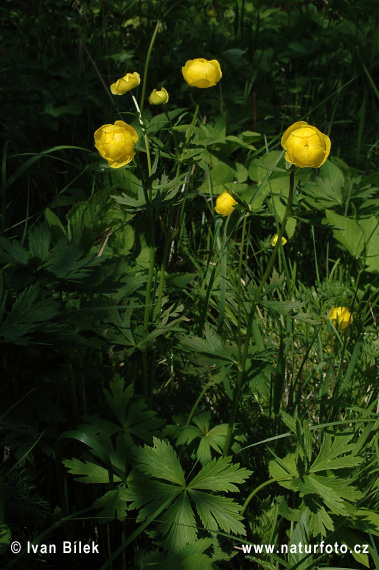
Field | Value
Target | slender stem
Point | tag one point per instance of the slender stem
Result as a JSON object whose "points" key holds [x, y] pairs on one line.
{"points": [[257, 296], [189, 132], [259, 488], [239, 276], [173, 135], [147, 63], [146, 140], [168, 236], [150, 276]]}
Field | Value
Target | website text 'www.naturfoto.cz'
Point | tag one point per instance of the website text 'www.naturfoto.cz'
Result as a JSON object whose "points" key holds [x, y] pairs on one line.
{"points": [[300, 548]]}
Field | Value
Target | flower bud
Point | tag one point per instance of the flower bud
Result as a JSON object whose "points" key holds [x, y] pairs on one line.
{"points": [[305, 145], [274, 239], [340, 317], [116, 143], [158, 97], [202, 73], [225, 204], [126, 83]]}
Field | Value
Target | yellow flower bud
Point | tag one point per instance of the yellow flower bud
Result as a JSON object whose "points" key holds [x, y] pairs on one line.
{"points": [[116, 143], [202, 73], [158, 97], [305, 145], [225, 204], [340, 317], [274, 239], [126, 83]]}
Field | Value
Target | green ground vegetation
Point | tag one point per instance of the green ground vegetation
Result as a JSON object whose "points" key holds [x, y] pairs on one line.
{"points": [[172, 387]]}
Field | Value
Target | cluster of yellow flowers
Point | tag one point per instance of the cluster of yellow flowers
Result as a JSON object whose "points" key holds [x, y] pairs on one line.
{"points": [[116, 142], [305, 145]]}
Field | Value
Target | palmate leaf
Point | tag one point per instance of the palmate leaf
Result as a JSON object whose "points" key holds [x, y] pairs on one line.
{"points": [[179, 522], [331, 448], [209, 438], [66, 261], [113, 504], [149, 494], [219, 475], [39, 241], [161, 462], [189, 557], [213, 347], [347, 232], [29, 310], [12, 252], [218, 512], [5, 537], [88, 472], [320, 523], [132, 413]]}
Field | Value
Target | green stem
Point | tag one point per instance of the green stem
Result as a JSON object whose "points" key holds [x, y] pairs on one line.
{"points": [[150, 276], [173, 135], [168, 236], [147, 63], [146, 141], [257, 489], [257, 296], [239, 341]]}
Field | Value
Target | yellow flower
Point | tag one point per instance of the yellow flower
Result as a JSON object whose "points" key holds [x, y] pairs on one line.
{"points": [[274, 239], [126, 83], [116, 143], [158, 97], [202, 73], [340, 317], [225, 204], [305, 145]]}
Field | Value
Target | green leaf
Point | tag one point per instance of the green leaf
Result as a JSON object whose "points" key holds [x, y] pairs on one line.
{"points": [[367, 520], [283, 469], [331, 448], [39, 241], [347, 232], [218, 512], [12, 252], [161, 462], [213, 346], [5, 537], [113, 504], [260, 168], [219, 475], [327, 191], [370, 228], [320, 523], [55, 225], [278, 208], [131, 412], [179, 524], [88, 472], [29, 310]]}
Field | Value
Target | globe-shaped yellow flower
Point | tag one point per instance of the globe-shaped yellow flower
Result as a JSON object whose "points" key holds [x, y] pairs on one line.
{"points": [[202, 73], [126, 83], [225, 204], [305, 145], [274, 240], [340, 317], [158, 97], [116, 143]]}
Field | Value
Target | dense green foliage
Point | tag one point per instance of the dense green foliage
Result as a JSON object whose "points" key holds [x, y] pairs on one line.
{"points": [[171, 385]]}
